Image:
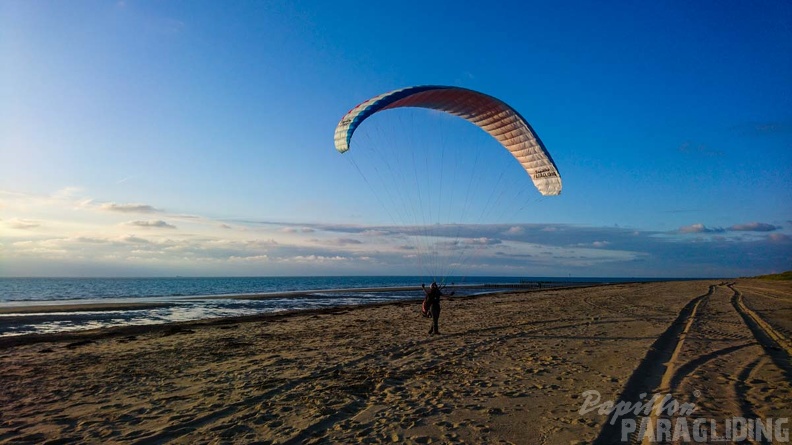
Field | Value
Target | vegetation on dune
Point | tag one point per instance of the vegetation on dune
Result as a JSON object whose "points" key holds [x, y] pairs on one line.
{"points": [[777, 276]]}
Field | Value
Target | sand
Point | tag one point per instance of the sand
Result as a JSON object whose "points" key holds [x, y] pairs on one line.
{"points": [[511, 368]]}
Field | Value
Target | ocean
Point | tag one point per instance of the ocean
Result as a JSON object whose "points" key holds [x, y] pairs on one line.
{"points": [[35, 305]]}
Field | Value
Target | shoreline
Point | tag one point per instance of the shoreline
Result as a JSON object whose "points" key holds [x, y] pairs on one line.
{"points": [[79, 307], [174, 327]]}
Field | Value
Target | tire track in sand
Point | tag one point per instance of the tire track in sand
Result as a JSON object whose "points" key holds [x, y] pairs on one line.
{"points": [[741, 389], [656, 369], [689, 377], [663, 358], [777, 346], [736, 394]]}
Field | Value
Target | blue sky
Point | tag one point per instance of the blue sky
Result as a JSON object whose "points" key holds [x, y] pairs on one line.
{"points": [[195, 138]]}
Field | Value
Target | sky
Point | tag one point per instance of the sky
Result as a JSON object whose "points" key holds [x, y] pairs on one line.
{"points": [[160, 138]]}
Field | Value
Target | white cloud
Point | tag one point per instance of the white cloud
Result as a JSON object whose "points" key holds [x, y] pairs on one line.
{"points": [[65, 230], [67, 193], [159, 224], [296, 230], [747, 227], [249, 259], [754, 227], [481, 241], [261, 244], [134, 239], [22, 224], [315, 259], [129, 208], [90, 240], [700, 228], [338, 241], [375, 233]]}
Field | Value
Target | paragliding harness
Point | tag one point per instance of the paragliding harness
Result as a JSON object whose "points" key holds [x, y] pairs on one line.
{"points": [[426, 309]]}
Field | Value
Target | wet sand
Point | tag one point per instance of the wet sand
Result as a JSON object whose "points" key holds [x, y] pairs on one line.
{"points": [[510, 368], [79, 307]]}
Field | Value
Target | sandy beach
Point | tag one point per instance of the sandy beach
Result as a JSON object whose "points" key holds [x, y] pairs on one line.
{"points": [[519, 368]]}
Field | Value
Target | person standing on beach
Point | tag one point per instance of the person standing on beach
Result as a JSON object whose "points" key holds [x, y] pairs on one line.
{"points": [[432, 301]]}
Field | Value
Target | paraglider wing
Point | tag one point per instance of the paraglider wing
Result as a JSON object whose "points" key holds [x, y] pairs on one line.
{"points": [[488, 113]]}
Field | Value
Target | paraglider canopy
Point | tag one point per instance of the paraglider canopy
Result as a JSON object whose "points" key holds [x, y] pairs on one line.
{"points": [[488, 113]]}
